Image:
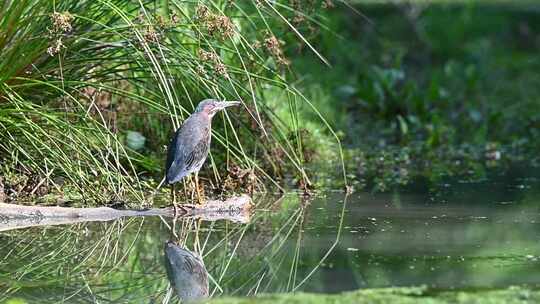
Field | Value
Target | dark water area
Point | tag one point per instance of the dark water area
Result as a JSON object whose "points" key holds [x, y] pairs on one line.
{"points": [[454, 235]]}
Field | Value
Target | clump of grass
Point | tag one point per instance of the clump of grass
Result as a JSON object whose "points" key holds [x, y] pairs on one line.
{"points": [[76, 76]]}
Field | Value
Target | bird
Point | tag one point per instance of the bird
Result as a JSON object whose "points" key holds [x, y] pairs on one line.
{"points": [[189, 147], [186, 272]]}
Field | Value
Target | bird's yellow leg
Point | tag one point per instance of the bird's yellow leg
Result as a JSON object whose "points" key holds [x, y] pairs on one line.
{"points": [[173, 194], [199, 197], [192, 191], [174, 229], [185, 189]]}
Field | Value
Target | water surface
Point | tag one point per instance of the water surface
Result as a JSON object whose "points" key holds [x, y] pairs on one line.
{"points": [[452, 234]]}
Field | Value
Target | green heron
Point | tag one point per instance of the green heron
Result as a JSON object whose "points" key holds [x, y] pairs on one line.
{"points": [[186, 272], [190, 145]]}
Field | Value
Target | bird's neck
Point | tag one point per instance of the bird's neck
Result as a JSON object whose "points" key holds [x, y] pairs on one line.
{"points": [[207, 116]]}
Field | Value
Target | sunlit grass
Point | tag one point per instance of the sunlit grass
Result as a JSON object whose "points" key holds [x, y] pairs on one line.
{"points": [[77, 75]]}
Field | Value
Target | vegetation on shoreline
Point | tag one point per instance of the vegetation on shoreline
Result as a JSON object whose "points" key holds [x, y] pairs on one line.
{"points": [[420, 90], [91, 91], [411, 89]]}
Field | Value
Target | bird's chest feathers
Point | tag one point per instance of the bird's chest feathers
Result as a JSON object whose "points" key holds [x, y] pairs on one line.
{"points": [[207, 131], [201, 128]]}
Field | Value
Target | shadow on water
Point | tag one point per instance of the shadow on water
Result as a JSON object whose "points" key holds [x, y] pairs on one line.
{"points": [[454, 235]]}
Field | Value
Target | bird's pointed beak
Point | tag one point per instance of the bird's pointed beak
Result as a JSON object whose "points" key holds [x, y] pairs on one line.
{"points": [[225, 104]]}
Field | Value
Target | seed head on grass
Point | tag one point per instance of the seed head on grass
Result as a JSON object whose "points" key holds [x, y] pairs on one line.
{"points": [[56, 47], [202, 13], [217, 25], [61, 24], [273, 46], [201, 71], [214, 60], [151, 36], [222, 25], [208, 56], [221, 70]]}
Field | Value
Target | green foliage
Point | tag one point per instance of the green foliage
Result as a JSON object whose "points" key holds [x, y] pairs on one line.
{"points": [[445, 83], [440, 74], [77, 78]]}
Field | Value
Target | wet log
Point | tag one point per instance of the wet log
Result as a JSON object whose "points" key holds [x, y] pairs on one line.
{"points": [[12, 216]]}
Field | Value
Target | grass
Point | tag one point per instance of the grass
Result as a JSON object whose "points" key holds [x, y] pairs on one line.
{"points": [[76, 77], [406, 86]]}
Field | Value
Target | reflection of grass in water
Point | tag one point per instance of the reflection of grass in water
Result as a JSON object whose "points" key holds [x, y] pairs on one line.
{"points": [[329, 251], [263, 257], [64, 262], [122, 260], [234, 261]]}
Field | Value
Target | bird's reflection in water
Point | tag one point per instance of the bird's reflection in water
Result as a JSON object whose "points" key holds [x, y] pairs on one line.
{"points": [[186, 272]]}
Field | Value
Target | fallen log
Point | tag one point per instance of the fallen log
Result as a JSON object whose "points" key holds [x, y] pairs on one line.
{"points": [[12, 216]]}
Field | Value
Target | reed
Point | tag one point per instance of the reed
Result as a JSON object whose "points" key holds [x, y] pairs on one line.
{"points": [[77, 76]]}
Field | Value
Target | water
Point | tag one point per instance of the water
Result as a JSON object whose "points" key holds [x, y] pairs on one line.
{"points": [[454, 234]]}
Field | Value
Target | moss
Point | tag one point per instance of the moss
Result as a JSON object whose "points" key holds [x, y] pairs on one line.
{"points": [[401, 295]]}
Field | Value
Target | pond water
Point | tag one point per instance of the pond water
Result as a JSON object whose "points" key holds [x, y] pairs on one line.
{"points": [[453, 234]]}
